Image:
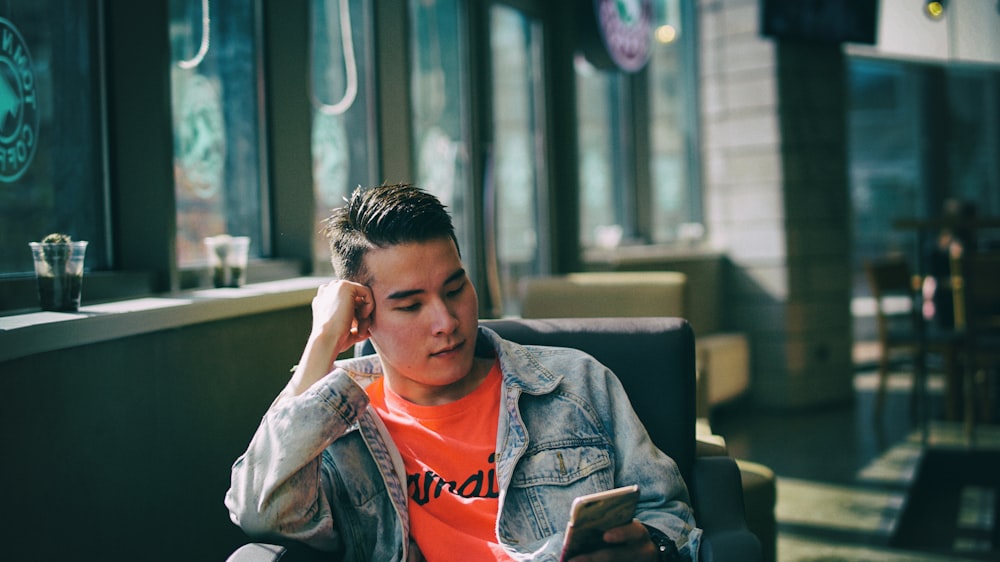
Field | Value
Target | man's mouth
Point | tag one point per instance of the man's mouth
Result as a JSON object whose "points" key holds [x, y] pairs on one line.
{"points": [[447, 350]]}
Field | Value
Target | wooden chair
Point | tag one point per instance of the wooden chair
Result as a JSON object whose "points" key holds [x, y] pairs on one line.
{"points": [[977, 318], [901, 329]]}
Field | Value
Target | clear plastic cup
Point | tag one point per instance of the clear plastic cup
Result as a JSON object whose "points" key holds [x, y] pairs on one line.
{"points": [[59, 272], [227, 259]]}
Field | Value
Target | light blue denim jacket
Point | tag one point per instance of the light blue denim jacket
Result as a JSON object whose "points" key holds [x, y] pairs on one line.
{"points": [[323, 470]]}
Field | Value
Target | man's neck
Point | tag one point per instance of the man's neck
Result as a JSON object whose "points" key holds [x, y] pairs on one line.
{"points": [[426, 395]]}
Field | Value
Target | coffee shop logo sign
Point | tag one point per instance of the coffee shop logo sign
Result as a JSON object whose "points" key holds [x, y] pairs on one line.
{"points": [[18, 104], [626, 27]]}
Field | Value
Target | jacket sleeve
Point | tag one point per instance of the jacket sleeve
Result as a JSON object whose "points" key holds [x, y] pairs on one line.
{"points": [[664, 503], [277, 486]]}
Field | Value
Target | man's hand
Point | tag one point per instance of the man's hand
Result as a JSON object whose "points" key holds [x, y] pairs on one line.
{"points": [[342, 311], [342, 315], [628, 542]]}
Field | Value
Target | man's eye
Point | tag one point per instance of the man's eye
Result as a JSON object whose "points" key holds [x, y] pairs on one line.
{"points": [[456, 291], [411, 308]]}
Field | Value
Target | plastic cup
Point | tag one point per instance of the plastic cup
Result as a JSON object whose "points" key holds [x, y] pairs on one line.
{"points": [[227, 259], [59, 272]]}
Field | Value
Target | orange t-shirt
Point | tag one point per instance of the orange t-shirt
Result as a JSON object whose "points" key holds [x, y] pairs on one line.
{"points": [[449, 453]]}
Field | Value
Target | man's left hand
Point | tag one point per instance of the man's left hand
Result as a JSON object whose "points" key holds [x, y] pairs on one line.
{"points": [[628, 542]]}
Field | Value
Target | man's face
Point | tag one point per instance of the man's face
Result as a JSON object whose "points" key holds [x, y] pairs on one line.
{"points": [[425, 321]]}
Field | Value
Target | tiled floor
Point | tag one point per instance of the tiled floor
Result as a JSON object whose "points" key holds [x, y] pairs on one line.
{"points": [[841, 483]]}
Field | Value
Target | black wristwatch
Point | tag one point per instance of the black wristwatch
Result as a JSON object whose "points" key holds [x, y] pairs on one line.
{"points": [[666, 547]]}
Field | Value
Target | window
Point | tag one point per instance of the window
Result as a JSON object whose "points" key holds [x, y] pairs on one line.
{"points": [[974, 174], [919, 134], [884, 131], [218, 160], [518, 148], [674, 191], [438, 81], [343, 128], [605, 178], [648, 118], [51, 131]]}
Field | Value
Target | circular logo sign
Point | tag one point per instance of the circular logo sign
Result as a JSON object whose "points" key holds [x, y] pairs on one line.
{"points": [[18, 104], [626, 27]]}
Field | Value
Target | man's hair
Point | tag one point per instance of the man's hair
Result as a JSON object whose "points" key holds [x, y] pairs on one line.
{"points": [[379, 217]]}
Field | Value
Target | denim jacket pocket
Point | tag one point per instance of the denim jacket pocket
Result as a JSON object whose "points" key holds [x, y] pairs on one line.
{"points": [[546, 481], [561, 464]]}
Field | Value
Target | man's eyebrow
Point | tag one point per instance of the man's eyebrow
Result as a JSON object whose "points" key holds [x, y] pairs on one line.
{"points": [[400, 295]]}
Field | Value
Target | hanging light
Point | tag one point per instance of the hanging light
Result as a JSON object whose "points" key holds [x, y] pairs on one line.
{"points": [[666, 34], [934, 9]]}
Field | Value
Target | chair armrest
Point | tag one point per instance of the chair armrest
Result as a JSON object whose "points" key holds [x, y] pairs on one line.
{"points": [[717, 498], [257, 552], [730, 546], [708, 444], [266, 552]]}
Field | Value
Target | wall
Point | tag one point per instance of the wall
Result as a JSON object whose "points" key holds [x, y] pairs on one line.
{"points": [[775, 184], [966, 33], [121, 450]]}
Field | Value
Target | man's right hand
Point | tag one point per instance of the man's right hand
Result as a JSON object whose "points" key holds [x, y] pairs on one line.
{"points": [[342, 314]]}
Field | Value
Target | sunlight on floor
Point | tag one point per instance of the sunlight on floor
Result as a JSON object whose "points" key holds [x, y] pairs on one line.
{"points": [[828, 506], [826, 522], [795, 549]]}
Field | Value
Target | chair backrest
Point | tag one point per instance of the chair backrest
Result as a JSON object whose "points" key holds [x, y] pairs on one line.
{"points": [[653, 358], [978, 294], [891, 277]]}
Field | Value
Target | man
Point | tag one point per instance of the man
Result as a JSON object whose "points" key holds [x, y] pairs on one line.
{"points": [[451, 443]]}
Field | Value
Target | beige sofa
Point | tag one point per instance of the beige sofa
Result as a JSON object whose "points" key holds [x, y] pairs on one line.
{"points": [[723, 358]]}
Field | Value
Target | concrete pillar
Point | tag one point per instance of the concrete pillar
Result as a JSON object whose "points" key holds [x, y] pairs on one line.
{"points": [[776, 201]]}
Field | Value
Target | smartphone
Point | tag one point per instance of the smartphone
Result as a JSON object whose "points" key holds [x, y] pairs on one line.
{"points": [[591, 515]]}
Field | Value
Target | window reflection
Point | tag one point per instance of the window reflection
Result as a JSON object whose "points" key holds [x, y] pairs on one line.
{"points": [[344, 151], [441, 142], [674, 192], [889, 127], [51, 131], [603, 175], [884, 132], [518, 141], [216, 111], [616, 207]]}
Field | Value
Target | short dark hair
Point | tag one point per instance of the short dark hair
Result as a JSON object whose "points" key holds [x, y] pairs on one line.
{"points": [[379, 217]]}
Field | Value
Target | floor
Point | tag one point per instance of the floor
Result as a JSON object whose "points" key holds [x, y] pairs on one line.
{"points": [[841, 483]]}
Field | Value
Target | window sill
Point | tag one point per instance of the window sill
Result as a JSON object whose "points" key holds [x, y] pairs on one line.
{"points": [[39, 332]]}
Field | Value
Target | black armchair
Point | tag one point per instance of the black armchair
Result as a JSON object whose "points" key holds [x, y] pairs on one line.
{"points": [[655, 360]]}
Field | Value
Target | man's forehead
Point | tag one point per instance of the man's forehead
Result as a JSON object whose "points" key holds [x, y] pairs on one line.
{"points": [[395, 267]]}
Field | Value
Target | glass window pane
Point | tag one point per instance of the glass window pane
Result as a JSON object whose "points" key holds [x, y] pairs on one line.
{"points": [[972, 152], [518, 153], [344, 150], [440, 128], [672, 189], [602, 172], [217, 156], [51, 131], [885, 121]]}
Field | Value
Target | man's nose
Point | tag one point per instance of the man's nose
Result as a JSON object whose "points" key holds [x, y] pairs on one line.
{"points": [[445, 320]]}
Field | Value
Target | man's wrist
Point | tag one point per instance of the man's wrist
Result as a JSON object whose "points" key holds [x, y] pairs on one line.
{"points": [[666, 549]]}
